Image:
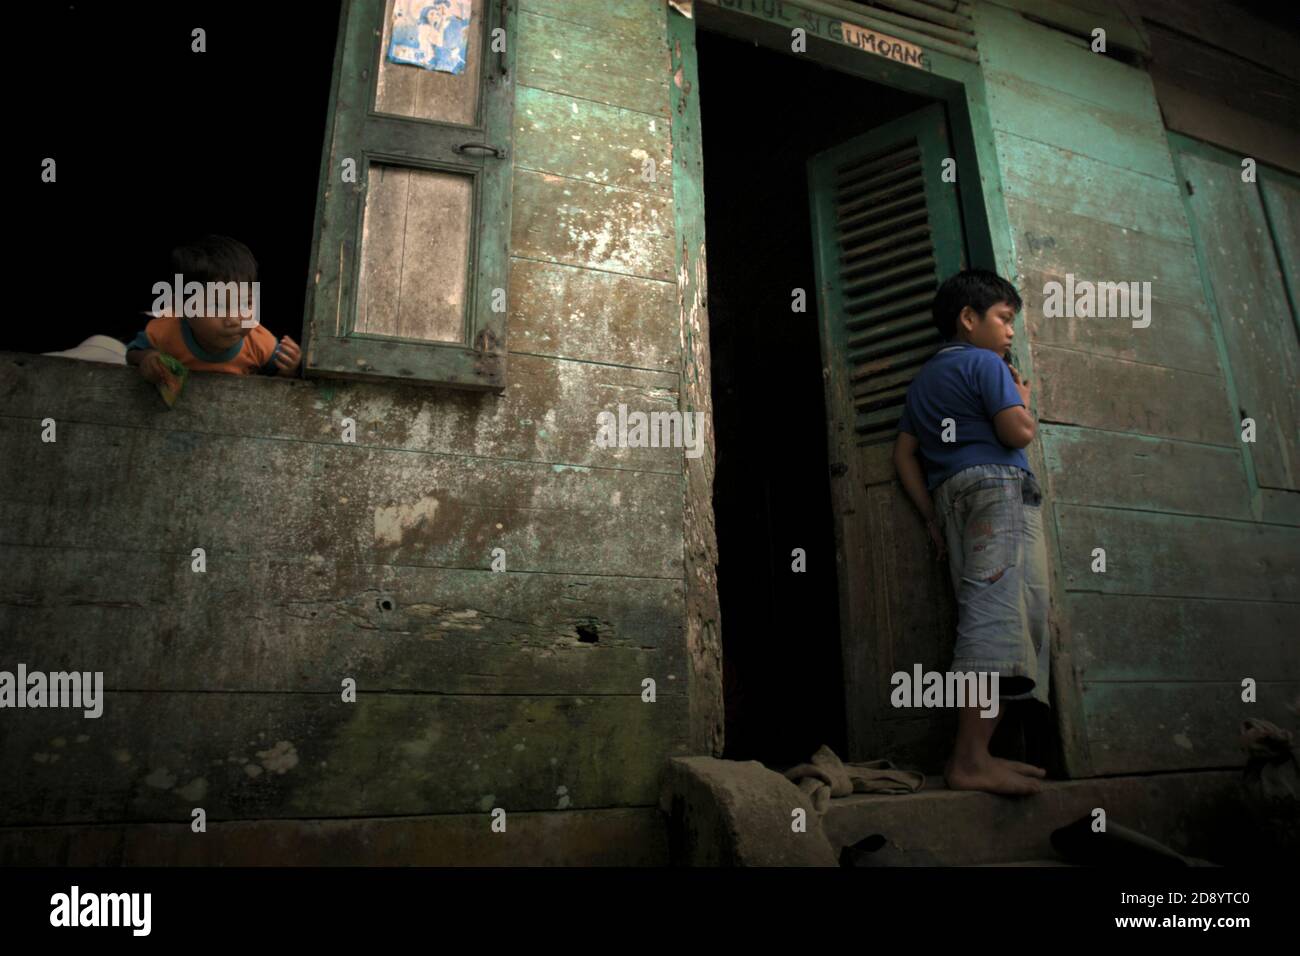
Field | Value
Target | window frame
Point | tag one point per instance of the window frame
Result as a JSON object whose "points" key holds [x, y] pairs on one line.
{"points": [[357, 131]]}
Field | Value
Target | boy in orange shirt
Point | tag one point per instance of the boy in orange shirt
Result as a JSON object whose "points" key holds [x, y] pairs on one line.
{"points": [[212, 343]]}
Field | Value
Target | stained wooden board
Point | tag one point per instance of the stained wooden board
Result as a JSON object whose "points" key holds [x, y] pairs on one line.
{"points": [[1231, 28], [640, 20], [1118, 637], [415, 254], [153, 757], [1095, 391], [1279, 507], [914, 604], [1207, 118], [597, 227], [1047, 115], [631, 836], [1151, 727], [569, 312], [547, 413], [1047, 58], [1078, 184], [116, 487], [1178, 556], [1237, 83], [150, 622], [1081, 19], [690, 270], [1152, 474], [593, 63], [1281, 199], [566, 136], [1254, 314], [1178, 336], [1049, 240]]}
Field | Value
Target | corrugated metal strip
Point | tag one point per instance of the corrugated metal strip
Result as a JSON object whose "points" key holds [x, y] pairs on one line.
{"points": [[942, 25]]}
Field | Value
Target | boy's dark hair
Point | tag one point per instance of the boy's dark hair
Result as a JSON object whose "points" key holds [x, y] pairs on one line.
{"points": [[978, 288], [214, 259]]}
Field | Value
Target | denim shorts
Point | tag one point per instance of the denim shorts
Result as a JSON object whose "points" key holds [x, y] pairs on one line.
{"points": [[993, 524]]}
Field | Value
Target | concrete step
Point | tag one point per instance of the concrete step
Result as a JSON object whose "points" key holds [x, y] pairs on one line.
{"points": [[1197, 814]]}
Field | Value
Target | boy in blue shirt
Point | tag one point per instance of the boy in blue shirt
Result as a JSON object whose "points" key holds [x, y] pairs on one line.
{"points": [[962, 436]]}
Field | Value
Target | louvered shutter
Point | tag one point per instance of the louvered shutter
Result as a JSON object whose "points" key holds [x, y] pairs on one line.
{"points": [[887, 231]]}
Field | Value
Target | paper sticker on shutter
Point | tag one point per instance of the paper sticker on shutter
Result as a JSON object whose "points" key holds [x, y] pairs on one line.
{"points": [[433, 34], [403, 90]]}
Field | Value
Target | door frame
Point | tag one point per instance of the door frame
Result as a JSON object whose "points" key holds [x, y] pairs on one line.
{"points": [[959, 84]]}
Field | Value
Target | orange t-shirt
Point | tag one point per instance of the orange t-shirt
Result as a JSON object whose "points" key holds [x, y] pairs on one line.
{"points": [[252, 355]]}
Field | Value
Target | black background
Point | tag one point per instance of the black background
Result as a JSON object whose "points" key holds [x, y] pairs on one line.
{"points": [[155, 143]]}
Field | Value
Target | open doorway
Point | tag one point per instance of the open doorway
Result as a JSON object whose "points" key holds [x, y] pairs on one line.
{"points": [[763, 116], [821, 181]]}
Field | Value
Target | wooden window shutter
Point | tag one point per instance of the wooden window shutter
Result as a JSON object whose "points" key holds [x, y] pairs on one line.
{"points": [[1246, 234], [886, 230], [411, 251]]}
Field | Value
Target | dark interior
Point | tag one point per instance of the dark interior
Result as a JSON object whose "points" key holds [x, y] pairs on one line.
{"points": [[156, 143], [763, 114]]}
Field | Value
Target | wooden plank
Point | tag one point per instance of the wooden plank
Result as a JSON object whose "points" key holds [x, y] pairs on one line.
{"points": [[172, 491], [631, 836], [1233, 28], [592, 63], [1134, 471], [639, 20], [547, 414], [149, 622], [1075, 19], [1123, 638], [1095, 391], [568, 312], [915, 618], [690, 270], [596, 227], [1208, 119], [1049, 240], [1048, 58], [1178, 336], [153, 757], [1279, 507], [1281, 198], [1077, 184], [583, 140], [1148, 728], [415, 254], [1254, 315], [1202, 69], [406, 90], [1050, 116], [1177, 556]]}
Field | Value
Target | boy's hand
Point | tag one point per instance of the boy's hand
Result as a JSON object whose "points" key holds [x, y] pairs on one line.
{"points": [[288, 357], [1022, 385], [936, 538], [153, 370]]}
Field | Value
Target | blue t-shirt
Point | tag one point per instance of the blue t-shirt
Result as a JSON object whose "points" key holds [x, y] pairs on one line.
{"points": [[969, 385]]}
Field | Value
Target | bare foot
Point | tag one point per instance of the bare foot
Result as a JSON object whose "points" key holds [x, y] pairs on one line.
{"points": [[1028, 769], [992, 775]]}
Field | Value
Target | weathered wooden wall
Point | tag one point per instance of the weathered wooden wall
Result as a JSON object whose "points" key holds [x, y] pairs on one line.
{"points": [[327, 560], [1139, 434]]}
